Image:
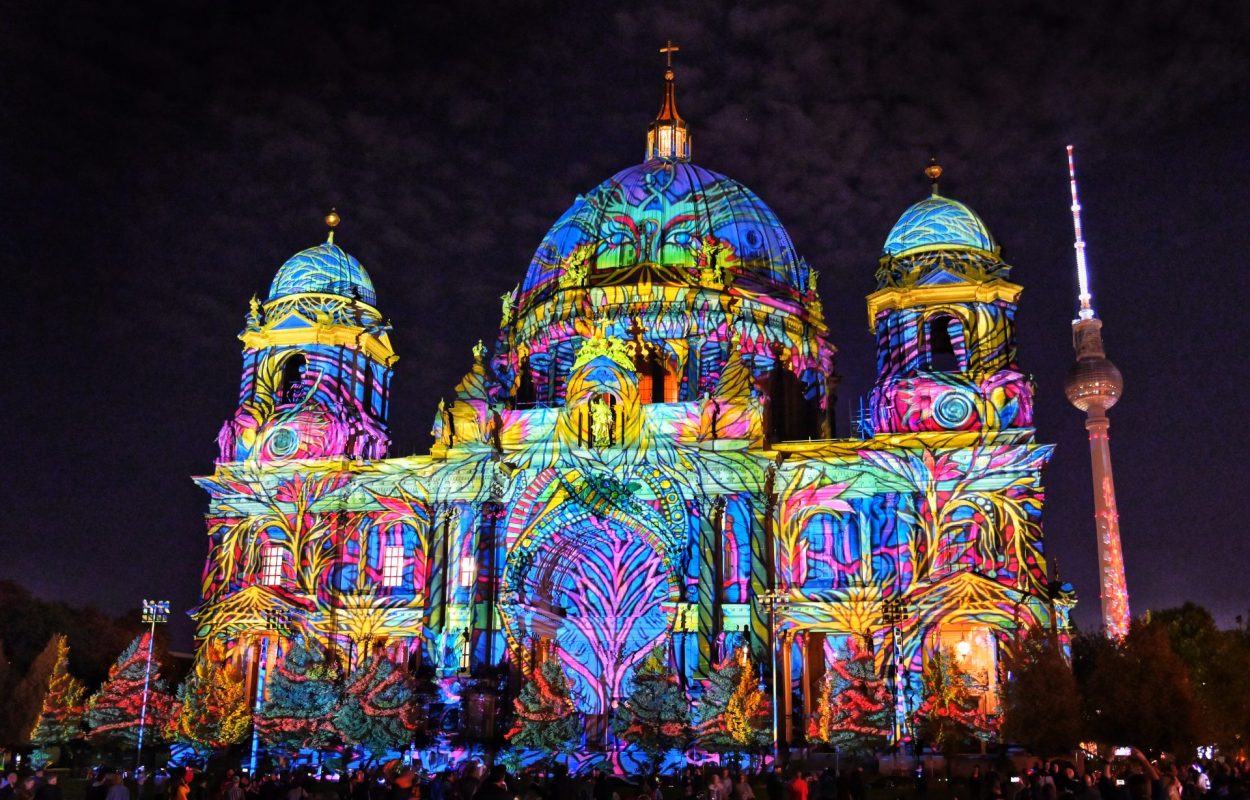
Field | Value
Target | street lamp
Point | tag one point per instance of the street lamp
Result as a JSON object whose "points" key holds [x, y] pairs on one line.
{"points": [[893, 613], [773, 598], [154, 611]]}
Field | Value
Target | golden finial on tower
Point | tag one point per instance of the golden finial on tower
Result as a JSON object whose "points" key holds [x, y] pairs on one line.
{"points": [[332, 221], [933, 172]]}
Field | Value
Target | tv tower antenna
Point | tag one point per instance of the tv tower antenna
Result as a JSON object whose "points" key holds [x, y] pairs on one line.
{"points": [[1082, 271]]}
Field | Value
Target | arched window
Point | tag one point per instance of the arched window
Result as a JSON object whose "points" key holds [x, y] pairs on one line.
{"points": [[656, 384], [294, 382], [943, 348], [525, 394], [791, 416], [366, 374]]}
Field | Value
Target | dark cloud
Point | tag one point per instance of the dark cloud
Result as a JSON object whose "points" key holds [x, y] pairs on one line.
{"points": [[160, 162]]}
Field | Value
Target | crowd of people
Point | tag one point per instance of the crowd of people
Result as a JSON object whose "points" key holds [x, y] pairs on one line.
{"points": [[1126, 774], [36, 786]]}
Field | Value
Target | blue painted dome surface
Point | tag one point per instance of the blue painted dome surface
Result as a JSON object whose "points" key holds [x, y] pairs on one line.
{"points": [[665, 214], [937, 222], [324, 269]]}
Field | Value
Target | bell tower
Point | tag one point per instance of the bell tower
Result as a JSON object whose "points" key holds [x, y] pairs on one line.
{"points": [[317, 364], [944, 317]]}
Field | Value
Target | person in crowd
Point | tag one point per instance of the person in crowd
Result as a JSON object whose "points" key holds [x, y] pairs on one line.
{"points": [[561, 788], [117, 788], [975, 783], [1087, 788], [827, 788], [469, 781], [358, 786], [49, 790], [495, 787], [295, 789], [797, 789], [742, 789], [600, 789]]}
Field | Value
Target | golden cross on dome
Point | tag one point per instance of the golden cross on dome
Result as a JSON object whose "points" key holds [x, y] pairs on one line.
{"points": [[668, 49]]}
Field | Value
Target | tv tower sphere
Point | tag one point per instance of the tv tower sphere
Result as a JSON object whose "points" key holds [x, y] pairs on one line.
{"points": [[1093, 381]]}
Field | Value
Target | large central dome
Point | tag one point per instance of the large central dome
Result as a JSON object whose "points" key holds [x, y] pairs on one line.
{"points": [[663, 221]]}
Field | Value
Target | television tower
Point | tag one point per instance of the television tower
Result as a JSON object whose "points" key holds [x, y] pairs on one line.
{"points": [[1094, 385]]}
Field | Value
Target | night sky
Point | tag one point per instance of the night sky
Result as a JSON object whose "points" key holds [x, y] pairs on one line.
{"points": [[159, 162]]}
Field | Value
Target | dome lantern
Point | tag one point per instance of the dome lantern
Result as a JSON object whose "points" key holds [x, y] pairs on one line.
{"points": [[668, 136]]}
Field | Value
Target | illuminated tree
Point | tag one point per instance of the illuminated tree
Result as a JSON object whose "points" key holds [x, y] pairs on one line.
{"points": [[212, 709], [377, 707], [115, 711], [656, 715], [949, 715], [545, 717], [734, 711], [855, 711], [60, 720], [710, 713], [303, 695], [748, 712]]}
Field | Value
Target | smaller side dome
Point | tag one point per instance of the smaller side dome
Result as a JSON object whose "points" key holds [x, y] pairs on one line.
{"points": [[324, 269], [938, 222]]}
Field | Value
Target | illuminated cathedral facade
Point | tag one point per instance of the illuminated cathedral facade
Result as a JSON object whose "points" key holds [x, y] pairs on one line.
{"points": [[644, 456]]}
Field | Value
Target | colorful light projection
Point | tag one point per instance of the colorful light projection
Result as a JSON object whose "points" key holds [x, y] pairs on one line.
{"points": [[621, 470]]}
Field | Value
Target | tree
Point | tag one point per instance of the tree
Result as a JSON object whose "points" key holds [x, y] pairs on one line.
{"points": [[856, 710], [95, 638], [60, 720], [545, 716], [734, 711], [115, 712], [6, 689], [377, 709], [710, 712], [302, 696], [25, 700], [1137, 691], [1218, 662], [656, 715], [1041, 704], [949, 714], [212, 711]]}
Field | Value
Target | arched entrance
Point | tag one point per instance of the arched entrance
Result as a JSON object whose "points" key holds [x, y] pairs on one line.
{"points": [[590, 571]]}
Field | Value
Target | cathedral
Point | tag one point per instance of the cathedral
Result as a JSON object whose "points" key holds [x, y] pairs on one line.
{"points": [[644, 456]]}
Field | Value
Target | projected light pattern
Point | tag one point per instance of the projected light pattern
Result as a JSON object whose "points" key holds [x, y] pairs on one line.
{"points": [[644, 456], [938, 222], [664, 221], [324, 269]]}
